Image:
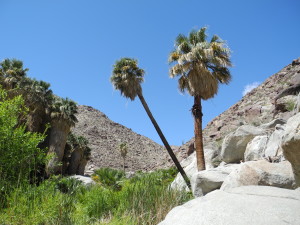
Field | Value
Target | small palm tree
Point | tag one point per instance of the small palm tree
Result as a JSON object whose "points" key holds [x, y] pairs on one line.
{"points": [[201, 65], [62, 119], [123, 151], [127, 77], [76, 157]]}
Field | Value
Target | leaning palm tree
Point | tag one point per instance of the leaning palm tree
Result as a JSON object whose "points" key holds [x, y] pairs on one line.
{"points": [[62, 119], [201, 66], [127, 77]]}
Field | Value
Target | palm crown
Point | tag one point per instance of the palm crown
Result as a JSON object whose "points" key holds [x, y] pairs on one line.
{"points": [[64, 108], [200, 64], [127, 77]]}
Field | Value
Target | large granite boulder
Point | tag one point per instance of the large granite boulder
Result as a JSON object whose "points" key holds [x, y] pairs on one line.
{"points": [[255, 149], [247, 205], [190, 167], [234, 144], [261, 173], [273, 148], [291, 145], [205, 181]]}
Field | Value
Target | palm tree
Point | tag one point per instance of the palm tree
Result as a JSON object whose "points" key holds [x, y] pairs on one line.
{"points": [[38, 97], [127, 77], [77, 158], [123, 151], [201, 65], [11, 71], [62, 119]]}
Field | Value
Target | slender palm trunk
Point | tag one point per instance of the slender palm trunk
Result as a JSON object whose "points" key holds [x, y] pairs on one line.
{"points": [[165, 142], [197, 113], [124, 164]]}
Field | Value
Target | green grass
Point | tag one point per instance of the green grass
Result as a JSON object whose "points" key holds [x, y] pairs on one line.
{"points": [[115, 200]]}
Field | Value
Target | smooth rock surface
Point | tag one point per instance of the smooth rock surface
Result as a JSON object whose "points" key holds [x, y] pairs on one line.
{"points": [[261, 173], [247, 205]]}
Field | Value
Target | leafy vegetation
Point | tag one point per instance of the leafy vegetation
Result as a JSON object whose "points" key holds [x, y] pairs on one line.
{"points": [[143, 199], [20, 158]]}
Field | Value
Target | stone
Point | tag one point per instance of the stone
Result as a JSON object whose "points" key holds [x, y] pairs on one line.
{"points": [[190, 167], [273, 123], [247, 205], [234, 144], [291, 145], [261, 173], [87, 181], [273, 147], [205, 181], [255, 149]]}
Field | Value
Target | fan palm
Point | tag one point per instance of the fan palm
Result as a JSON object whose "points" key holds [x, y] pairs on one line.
{"points": [[62, 119], [11, 71], [77, 158], [127, 77], [201, 65]]}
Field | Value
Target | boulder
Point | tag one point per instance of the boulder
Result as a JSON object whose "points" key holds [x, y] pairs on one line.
{"points": [[190, 167], [291, 145], [247, 205], [255, 149], [234, 144], [87, 181], [273, 147], [261, 173], [273, 124], [209, 180]]}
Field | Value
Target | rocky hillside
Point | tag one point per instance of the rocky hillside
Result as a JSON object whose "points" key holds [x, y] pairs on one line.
{"points": [[105, 136], [255, 108]]}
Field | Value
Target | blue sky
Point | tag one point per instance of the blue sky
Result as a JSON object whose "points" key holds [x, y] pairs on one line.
{"points": [[73, 45]]}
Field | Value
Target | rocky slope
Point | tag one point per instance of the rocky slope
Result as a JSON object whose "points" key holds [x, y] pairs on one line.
{"points": [[104, 138]]}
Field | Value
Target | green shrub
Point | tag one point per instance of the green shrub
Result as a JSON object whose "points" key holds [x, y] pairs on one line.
{"points": [[109, 178], [20, 157]]}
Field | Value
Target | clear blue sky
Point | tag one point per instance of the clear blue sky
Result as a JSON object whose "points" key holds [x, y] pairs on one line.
{"points": [[73, 44]]}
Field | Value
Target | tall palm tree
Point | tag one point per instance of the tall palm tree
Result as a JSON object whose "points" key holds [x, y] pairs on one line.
{"points": [[201, 65], [127, 77], [62, 119]]}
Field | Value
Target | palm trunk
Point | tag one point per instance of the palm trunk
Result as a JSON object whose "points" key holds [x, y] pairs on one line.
{"points": [[197, 113], [75, 160], [57, 142], [165, 142], [124, 164]]}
